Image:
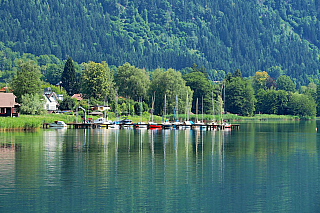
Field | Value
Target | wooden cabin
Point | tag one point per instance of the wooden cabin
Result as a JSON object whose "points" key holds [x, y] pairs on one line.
{"points": [[8, 105]]}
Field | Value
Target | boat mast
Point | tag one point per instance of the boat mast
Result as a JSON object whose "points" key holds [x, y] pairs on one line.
{"points": [[175, 109], [117, 113], [141, 111], [187, 106], [129, 109], [154, 98], [202, 109], [164, 109], [197, 111], [212, 108], [224, 100]]}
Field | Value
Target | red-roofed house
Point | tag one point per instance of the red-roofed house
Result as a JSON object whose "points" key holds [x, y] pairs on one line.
{"points": [[78, 97], [5, 89], [8, 105]]}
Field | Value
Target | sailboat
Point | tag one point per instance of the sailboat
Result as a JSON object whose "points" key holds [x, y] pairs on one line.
{"points": [[198, 124], [115, 125], [213, 120], [165, 122], [225, 124], [176, 122], [141, 125], [187, 123], [151, 124]]}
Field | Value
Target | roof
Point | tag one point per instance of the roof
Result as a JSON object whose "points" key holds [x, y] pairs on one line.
{"points": [[48, 95], [95, 113], [4, 89], [8, 100], [77, 96]]}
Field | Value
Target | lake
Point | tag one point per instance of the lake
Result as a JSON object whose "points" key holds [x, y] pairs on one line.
{"points": [[262, 167]]}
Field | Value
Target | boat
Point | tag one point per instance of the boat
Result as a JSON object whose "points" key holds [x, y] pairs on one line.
{"points": [[166, 124], [176, 123], [151, 124], [59, 124], [102, 121], [141, 125], [187, 123], [198, 124], [125, 123], [225, 124], [113, 126], [213, 123]]}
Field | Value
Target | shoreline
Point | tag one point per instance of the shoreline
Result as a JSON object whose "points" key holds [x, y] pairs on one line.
{"points": [[35, 122]]}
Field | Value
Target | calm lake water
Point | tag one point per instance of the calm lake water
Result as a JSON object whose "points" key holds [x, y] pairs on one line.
{"points": [[262, 167]]}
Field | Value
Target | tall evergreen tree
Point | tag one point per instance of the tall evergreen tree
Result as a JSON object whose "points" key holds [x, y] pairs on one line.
{"points": [[68, 77]]}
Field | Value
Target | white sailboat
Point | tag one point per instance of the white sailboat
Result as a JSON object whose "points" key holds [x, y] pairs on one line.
{"points": [[176, 122], [198, 124], [165, 124], [213, 114], [187, 123], [141, 125], [151, 124], [224, 123], [115, 125]]}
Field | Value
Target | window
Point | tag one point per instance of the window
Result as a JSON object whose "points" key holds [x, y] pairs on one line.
{"points": [[3, 111]]}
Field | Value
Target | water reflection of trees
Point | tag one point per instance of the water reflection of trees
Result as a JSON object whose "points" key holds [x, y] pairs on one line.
{"points": [[146, 164]]}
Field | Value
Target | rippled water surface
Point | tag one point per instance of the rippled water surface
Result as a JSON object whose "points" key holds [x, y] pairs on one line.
{"points": [[262, 167]]}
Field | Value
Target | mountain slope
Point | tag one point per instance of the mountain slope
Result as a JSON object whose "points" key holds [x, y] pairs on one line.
{"points": [[217, 34]]}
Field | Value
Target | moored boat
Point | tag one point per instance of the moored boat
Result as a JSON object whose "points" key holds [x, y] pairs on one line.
{"points": [[59, 124], [153, 125]]}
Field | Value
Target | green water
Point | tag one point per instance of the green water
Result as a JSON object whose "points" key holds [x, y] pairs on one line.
{"points": [[262, 167]]}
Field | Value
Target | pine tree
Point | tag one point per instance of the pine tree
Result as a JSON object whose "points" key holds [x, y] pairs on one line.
{"points": [[68, 77]]}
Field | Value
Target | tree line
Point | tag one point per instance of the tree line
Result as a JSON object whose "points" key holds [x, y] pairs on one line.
{"points": [[127, 85]]}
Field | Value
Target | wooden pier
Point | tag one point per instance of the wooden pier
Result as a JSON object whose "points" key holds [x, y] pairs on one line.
{"points": [[136, 126]]}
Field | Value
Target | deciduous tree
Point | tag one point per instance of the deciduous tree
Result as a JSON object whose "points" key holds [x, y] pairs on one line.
{"points": [[27, 79], [32, 104], [201, 88], [169, 83], [285, 83], [301, 105], [239, 95], [97, 80], [132, 82]]}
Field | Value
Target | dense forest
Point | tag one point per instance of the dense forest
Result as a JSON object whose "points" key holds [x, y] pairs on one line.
{"points": [[277, 36]]}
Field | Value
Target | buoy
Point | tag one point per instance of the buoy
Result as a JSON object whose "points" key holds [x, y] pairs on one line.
{"points": [[316, 129]]}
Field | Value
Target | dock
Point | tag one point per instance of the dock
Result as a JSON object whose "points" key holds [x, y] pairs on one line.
{"points": [[135, 126]]}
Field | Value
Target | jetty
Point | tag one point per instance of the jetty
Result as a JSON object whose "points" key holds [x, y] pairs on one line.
{"points": [[136, 126]]}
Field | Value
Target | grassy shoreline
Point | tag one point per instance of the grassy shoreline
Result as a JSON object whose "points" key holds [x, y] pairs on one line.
{"points": [[31, 122]]}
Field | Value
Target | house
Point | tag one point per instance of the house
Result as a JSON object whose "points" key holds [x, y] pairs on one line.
{"points": [[51, 100], [5, 90], [78, 97], [100, 108], [8, 105]]}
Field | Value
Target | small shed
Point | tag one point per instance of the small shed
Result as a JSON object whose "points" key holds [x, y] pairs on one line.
{"points": [[8, 105]]}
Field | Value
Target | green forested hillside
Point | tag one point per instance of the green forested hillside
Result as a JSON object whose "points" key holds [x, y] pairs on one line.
{"points": [[277, 36]]}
